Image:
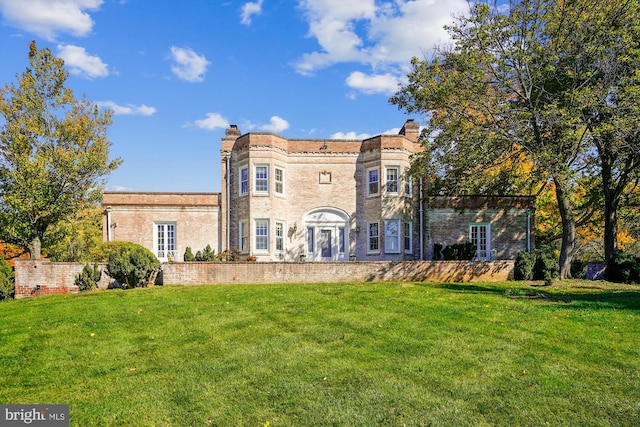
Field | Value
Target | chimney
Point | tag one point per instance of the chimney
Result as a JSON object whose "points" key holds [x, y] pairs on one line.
{"points": [[411, 130]]}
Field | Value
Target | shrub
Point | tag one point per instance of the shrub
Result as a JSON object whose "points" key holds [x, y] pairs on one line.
{"points": [[523, 268], [132, 265], [459, 251], [7, 285], [188, 255], [623, 268], [229, 255], [578, 269], [207, 254], [546, 266], [437, 251], [540, 264], [89, 277]]}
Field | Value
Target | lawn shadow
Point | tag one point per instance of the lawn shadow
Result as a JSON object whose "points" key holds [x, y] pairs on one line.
{"points": [[570, 298]]}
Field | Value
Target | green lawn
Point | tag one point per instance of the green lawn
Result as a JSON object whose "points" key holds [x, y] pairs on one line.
{"points": [[356, 354]]}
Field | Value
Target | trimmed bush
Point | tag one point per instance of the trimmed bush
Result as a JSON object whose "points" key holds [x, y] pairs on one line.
{"points": [[132, 265], [89, 277], [207, 254], [188, 255], [623, 268], [437, 251], [7, 285], [546, 267], [542, 264], [523, 268], [459, 251]]}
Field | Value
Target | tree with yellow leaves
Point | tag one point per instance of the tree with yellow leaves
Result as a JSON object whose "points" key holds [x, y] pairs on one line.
{"points": [[54, 152]]}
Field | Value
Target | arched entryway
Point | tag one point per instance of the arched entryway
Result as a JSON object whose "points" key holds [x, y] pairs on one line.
{"points": [[326, 234]]}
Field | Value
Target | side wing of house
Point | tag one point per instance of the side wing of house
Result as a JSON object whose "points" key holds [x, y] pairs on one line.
{"points": [[498, 227], [164, 223]]}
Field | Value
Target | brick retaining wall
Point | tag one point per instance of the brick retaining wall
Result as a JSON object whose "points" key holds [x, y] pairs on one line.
{"points": [[42, 277], [196, 273]]}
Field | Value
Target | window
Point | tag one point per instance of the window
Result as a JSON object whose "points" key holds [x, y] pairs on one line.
{"points": [[165, 240], [261, 179], [373, 180], [244, 181], [279, 180], [310, 239], [341, 237], [408, 184], [279, 236], [392, 236], [480, 236], [262, 235], [408, 239], [392, 179], [374, 237], [242, 234]]}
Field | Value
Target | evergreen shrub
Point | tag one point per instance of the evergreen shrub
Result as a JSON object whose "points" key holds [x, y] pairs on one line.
{"points": [[132, 265]]}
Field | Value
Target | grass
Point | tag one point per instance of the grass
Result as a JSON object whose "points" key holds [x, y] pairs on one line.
{"points": [[355, 354]]}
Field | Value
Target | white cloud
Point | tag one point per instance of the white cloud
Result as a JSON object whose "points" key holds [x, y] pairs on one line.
{"points": [[350, 135], [212, 121], [188, 65], [47, 18], [248, 10], [80, 63], [276, 124], [386, 84], [382, 35], [128, 109]]}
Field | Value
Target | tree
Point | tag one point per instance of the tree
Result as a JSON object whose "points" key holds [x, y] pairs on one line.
{"points": [[54, 152], [76, 238], [609, 103], [512, 86]]}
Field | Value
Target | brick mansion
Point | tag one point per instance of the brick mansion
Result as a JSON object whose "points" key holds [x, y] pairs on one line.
{"points": [[318, 200]]}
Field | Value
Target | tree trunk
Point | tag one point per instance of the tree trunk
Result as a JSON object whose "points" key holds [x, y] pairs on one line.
{"points": [[567, 251], [611, 202], [35, 248]]}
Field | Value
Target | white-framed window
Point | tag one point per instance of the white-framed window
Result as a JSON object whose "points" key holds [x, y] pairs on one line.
{"points": [[373, 230], [261, 179], [242, 237], [392, 236], [408, 237], [279, 180], [279, 236], [262, 235], [408, 184], [480, 236], [373, 182], [310, 239], [244, 181], [341, 239], [392, 179], [164, 240]]}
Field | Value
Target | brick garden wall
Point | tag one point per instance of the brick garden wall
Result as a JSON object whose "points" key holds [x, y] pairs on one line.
{"points": [[42, 277]]}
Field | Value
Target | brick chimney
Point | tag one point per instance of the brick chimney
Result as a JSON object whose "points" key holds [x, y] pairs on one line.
{"points": [[411, 130]]}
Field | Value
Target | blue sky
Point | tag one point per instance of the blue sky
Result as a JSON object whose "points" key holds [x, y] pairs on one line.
{"points": [[177, 73]]}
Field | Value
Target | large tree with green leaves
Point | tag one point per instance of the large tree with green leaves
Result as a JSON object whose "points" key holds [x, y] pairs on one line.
{"points": [[54, 152], [608, 45], [510, 87]]}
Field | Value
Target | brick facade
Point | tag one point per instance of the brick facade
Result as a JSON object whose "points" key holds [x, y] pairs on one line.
{"points": [[283, 198], [135, 217], [321, 200], [508, 220]]}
